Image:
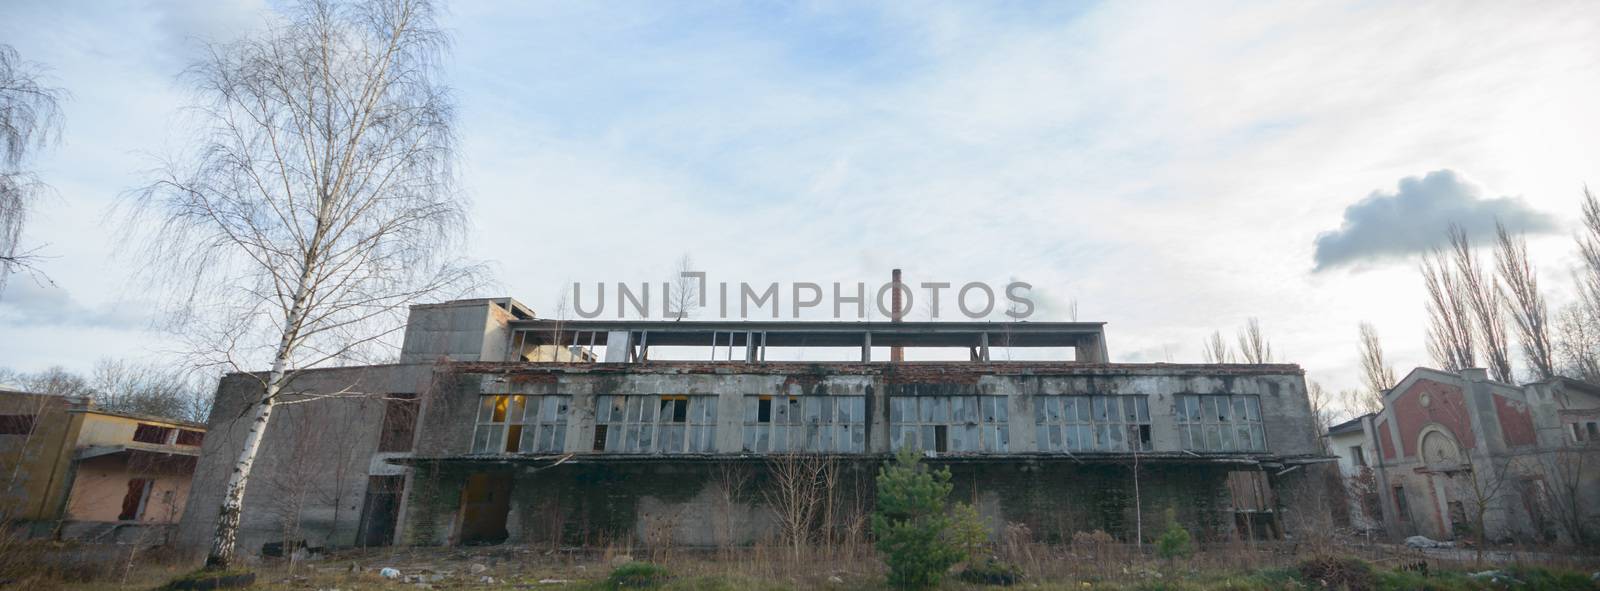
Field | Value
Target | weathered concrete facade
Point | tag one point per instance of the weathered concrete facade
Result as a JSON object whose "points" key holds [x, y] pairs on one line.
{"points": [[70, 470], [652, 450]]}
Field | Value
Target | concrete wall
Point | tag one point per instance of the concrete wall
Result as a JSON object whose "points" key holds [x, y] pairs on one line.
{"points": [[463, 330], [1053, 495], [1285, 411], [311, 474], [34, 466]]}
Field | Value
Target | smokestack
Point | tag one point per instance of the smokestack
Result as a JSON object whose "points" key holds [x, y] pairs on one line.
{"points": [[896, 353]]}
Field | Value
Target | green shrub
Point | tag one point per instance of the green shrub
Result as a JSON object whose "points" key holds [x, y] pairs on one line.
{"points": [[914, 532], [1337, 572], [1399, 580], [1542, 579], [1175, 542], [637, 575], [991, 572]]}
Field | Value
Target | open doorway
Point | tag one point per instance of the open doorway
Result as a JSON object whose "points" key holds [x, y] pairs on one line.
{"points": [[485, 503]]}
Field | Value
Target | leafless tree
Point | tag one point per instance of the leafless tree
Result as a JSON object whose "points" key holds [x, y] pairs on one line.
{"points": [[796, 493], [729, 482], [1216, 350], [1451, 339], [150, 389], [1526, 304], [318, 206], [1322, 411], [30, 116], [683, 292], [1253, 344], [1570, 467], [54, 381], [1377, 374], [1484, 482], [1589, 248], [1577, 342], [1578, 326], [1485, 299]]}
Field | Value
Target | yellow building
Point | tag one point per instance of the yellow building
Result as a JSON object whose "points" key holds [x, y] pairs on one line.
{"points": [[77, 471]]}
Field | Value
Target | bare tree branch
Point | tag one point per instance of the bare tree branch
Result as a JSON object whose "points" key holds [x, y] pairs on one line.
{"points": [[1216, 350], [1376, 371], [319, 205], [1484, 299], [1253, 344], [30, 117], [1451, 339], [1525, 303]]}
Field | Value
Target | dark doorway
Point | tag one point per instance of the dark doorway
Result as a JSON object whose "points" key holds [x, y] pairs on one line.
{"points": [[485, 502], [133, 502], [380, 511]]}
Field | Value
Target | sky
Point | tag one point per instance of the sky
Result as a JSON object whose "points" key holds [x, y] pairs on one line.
{"points": [[1174, 168]]}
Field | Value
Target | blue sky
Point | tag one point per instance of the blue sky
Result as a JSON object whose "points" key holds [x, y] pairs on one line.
{"points": [[1170, 166]]}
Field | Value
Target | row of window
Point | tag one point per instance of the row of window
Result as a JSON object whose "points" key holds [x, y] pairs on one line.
{"points": [[805, 424], [676, 423], [1221, 423]]}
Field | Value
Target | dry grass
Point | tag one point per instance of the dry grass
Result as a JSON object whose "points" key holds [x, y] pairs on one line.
{"points": [[1089, 562]]}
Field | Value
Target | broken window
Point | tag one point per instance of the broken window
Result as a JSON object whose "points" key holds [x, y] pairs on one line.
{"points": [[1220, 422], [399, 422], [822, 424], [664, 423], [16, 424], [191, 437], [520, 424], [147, 433], [1091, 423], [960, 424]]}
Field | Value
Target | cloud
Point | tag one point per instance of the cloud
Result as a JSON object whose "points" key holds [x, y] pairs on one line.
{"points": [[28, 303], [1392, 225]]}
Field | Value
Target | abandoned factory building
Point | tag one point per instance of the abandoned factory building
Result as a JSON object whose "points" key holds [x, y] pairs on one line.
{"points": [[496, 426]]}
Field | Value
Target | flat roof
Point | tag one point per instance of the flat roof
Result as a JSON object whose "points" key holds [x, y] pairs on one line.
{"points": [[779, 333]]}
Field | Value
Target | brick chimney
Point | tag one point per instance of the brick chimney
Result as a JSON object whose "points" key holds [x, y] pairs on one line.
{"points": [[897, 314]]}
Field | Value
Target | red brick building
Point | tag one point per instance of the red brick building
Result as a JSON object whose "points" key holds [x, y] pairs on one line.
{"points": [[1450, 444]]}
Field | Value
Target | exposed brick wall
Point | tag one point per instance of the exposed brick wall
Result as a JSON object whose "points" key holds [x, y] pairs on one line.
{"points": [[1446, 406], [1516, 423]]}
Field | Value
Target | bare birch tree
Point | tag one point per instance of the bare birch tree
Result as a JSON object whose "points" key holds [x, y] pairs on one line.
{"points": [[1451, 339], [1484, 299], [1215, 349], [30, 115], [1254, 347], [1377, 374], [1526, 304], [317, 207]]}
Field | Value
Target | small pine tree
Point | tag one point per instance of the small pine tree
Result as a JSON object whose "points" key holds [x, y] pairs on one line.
{"points": [[913, 529], [1175, 542]]}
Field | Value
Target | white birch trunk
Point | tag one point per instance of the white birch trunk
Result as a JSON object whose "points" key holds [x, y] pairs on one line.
{"points": [[228, 516]]}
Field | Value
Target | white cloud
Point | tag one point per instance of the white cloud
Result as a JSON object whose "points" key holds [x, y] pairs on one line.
{"points": [[1389, 225], [1167, 166]]}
